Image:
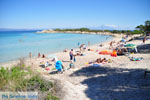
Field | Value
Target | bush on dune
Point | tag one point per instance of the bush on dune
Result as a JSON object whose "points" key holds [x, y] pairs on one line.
{"points": [[23, 79]]}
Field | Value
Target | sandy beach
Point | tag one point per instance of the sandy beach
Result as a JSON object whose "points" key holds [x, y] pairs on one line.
{"points": [[75, 50], [122, 79]]}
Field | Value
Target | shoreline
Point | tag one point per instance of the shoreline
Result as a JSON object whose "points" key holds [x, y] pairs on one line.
{"points": [[76, 81], [14, 62], [116, 37]]}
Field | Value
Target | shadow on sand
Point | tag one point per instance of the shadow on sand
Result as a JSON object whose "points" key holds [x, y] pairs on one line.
{"points": [[105, 83], [144, 48]]}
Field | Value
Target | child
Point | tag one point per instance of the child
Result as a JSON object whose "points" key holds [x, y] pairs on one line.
{"points": [[71, 65]]}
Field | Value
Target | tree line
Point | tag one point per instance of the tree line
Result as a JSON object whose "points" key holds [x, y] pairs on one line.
{"points": [[138, 29]]}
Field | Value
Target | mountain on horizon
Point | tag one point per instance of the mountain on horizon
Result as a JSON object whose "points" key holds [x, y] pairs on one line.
{"points": [[111, 27], [102, 27]]}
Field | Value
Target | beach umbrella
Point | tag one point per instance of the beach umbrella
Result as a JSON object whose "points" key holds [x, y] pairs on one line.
{"points": [[130, 45]]}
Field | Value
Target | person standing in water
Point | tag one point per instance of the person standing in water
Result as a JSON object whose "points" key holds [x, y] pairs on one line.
{"points": [[88, 43], [78, 44], [30, 55], [43, 56], [39, 55]]}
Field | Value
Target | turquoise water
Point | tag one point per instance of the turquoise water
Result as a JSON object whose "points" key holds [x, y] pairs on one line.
{"points": [[14, 45]]}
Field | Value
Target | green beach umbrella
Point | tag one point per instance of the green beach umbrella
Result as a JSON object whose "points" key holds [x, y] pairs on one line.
{"points": [[130, 45]]}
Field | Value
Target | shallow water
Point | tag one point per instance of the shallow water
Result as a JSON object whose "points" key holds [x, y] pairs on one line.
{"points": [[14, 45]]}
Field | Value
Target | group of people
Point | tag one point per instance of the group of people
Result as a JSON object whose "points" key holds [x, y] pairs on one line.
{"points": [[100, 60], [59, 66], [82, 47], [39, 55], [121, 51]]}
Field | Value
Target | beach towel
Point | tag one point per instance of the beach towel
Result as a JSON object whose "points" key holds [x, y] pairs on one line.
{"points": [[135, 59], [105, 52], [96, 65], [42, 62]]}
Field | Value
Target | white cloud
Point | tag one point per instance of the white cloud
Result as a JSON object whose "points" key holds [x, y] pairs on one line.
{"points": [[108, 25]]}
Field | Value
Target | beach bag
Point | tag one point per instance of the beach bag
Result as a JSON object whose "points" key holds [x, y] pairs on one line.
{"points": [[114, 53], [136, 59], [47, 68]]}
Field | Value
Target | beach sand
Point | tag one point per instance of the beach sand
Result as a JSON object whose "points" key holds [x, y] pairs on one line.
{"points": [[120, 80]]}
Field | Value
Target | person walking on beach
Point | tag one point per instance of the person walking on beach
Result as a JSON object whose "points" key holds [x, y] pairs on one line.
{"points": [[144, 40], [71, 54]]}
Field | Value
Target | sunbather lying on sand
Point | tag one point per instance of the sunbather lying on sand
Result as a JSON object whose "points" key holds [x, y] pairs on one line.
{"points": [[66, 50], [121, 51], [98, 61]]}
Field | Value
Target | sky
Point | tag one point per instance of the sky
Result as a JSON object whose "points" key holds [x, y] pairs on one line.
{"points": [[46, 14]]}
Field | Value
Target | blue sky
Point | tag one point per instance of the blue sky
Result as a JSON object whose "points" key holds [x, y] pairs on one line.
{"points": [[39, 14]]}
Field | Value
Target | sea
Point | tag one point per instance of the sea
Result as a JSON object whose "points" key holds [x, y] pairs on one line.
{"points": [[18, 44]]}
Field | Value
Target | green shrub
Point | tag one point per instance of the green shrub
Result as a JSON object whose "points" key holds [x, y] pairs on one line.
{"points": [[21, 78], [50, 97], [36, 82], [11, 78], [4, 77], [136, 32]]}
